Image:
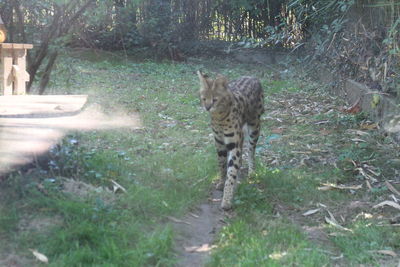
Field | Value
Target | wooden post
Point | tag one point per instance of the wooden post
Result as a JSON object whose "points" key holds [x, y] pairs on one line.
{"points": [[5, 71], [13, 74], [21, 76]]}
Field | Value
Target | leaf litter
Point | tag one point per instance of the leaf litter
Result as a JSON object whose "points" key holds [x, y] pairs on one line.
{"points": [[387, 203], [311, 212], [332, 221], [329, 186], [312, 130]]}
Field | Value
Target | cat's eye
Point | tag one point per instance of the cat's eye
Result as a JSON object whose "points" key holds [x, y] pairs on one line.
{"points": [[215, 99]]}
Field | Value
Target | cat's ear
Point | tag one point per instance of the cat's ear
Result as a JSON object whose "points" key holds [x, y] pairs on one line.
{"points": [[221, 82], [204, 80]]}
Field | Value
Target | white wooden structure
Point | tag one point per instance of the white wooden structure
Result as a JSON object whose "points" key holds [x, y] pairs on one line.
{"points": [[31, 124], [13, 74]]}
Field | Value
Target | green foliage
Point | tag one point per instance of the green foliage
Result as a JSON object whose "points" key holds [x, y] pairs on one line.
{"points": [[321, 19], [167, 26], [393, 38]]}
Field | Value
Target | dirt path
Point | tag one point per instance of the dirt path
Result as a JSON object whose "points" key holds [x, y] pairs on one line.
{"points": [[196, 231]]}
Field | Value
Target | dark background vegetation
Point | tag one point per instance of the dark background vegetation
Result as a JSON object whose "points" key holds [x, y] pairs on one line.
{"points": [[358, 38], [315, 155]]}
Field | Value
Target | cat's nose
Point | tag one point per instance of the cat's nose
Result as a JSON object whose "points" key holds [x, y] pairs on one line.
{"points": [[208, 107]]}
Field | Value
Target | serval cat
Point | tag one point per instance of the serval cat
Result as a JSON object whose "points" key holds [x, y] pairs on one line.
{"points": [[233, 107]]}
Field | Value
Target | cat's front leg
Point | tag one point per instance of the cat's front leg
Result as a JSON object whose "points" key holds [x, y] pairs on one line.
{"points": [[222, 153], [233, 166]]}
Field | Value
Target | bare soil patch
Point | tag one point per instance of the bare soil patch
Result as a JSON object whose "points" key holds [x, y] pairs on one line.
{"points": [[14, 260]]}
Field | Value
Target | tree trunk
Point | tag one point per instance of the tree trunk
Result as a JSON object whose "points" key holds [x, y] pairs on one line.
{"points": [[61, 24], [41, 52], [20, 26], [44, 80]]}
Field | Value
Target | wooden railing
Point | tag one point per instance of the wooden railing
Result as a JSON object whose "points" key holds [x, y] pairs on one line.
{"points": [[13, 74]]}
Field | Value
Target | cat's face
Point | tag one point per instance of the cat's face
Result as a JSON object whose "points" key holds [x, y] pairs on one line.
{"points": [[214, 94]]}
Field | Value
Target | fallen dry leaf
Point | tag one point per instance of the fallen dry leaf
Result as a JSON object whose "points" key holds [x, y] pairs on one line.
{"points": [[387, 203], [358, 140], [277, 255], [332, 217], [366, 175], [321, 122], [329, 186], [369, 126], [394, 198], [335, 224], [357, 132], [39, 256], [391, 188], [310, 212], [117, 186], [175, 220], [385, 252], [337, 257], [355, 108], [332, 221], [278, 130], [202, 248], [194, 215]]}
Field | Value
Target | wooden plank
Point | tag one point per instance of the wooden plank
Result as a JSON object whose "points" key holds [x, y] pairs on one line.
{"points": [[6, 71], [40, 105], [23, 139], [21, 76], [15, 46]]}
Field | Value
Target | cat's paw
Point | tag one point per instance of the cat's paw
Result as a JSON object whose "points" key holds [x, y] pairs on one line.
{"points": [[226, 205]]}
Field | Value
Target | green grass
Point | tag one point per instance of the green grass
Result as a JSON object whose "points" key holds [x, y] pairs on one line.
{"points": [[367, 238], [167, 167], [275, 243], [269, 228]]}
